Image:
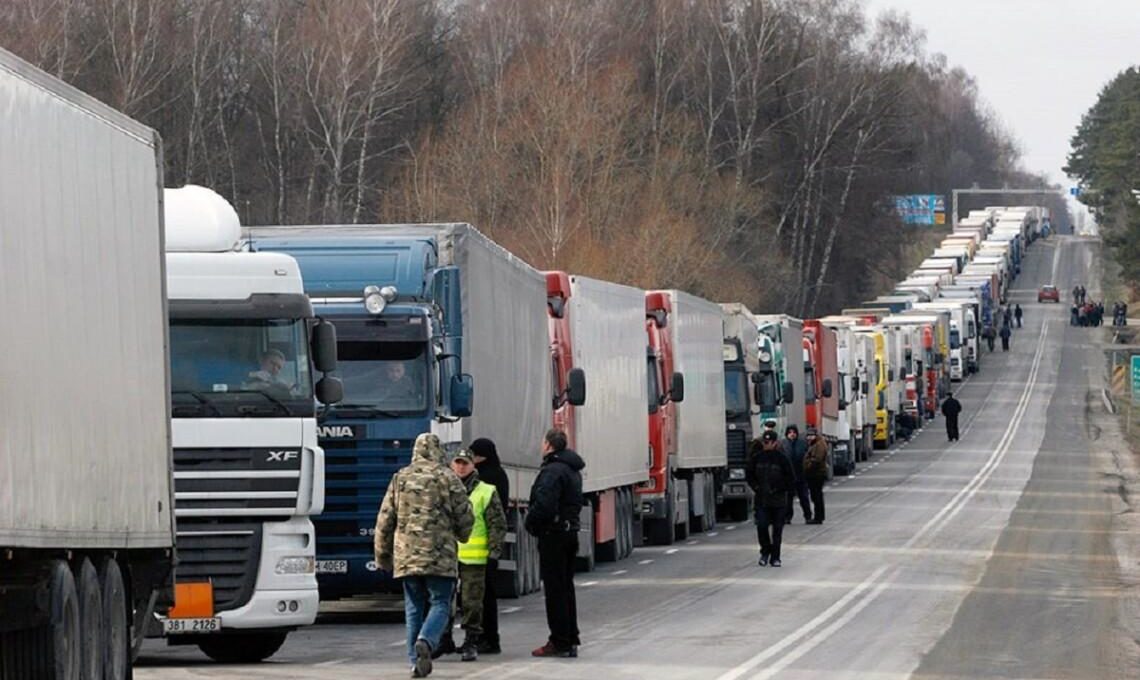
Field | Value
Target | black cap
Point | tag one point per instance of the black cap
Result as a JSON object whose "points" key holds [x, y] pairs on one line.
{"points": [[770, 436]]}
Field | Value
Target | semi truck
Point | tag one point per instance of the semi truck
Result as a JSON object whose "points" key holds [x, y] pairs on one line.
{"points": [[597, 352], [856, 360], [248, 471], [426, 314], [747, 394], [686, 336], [781, 357], [87, 521], [820, 352]]}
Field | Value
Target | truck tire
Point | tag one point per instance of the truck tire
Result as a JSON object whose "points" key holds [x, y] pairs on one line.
{"points": [[586, 562], [628, 524], [115, 628], [90, 596], [242, 648], [660, 531], [63, 647]]}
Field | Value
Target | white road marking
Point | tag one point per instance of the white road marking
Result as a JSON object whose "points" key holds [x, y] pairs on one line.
{"points": [[510, 610], [619, 572], [588, 583], [337, 662], [691, 542], [711, 534], [730, 527], [808, 636], [670, 551], [646, 562]]}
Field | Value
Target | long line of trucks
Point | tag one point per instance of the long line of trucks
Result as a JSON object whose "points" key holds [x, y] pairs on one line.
{"points": [[238, 399]]}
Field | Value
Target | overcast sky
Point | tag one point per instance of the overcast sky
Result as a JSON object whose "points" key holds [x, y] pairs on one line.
{"points": [[1038, 63]]}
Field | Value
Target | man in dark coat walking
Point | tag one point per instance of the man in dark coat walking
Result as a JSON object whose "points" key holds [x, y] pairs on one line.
{"points": [[1017, 314], [950, 410], [555, 505], [794, 449], [769, 473], [491, 471], [1005, 335], [816, 465]]}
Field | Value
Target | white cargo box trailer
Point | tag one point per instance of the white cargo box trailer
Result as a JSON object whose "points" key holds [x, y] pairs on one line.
{"points": [[85, 495], [698, 346], [608, 331]]}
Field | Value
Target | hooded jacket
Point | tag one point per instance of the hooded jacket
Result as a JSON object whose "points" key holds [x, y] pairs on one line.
{"points": [[795, 449], [491, 470], [556, 497], [425, 515]]}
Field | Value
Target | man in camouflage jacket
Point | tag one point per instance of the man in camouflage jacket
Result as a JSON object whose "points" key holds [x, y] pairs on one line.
{"points": [[425, 514]]}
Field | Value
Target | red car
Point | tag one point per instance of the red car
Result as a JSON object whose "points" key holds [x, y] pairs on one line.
{"points": [[1049, 293]]}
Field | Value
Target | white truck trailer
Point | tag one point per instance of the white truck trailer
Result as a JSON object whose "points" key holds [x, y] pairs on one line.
{"points": [[601, 327], [86, 504], [747, 394], [697, 335]]}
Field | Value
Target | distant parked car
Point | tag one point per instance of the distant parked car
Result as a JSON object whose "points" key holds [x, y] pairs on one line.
{"points": [[1048, 293]]}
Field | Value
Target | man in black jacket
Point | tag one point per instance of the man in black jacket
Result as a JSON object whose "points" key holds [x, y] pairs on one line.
{"points": [[555, 503], [769, 473], [950, 409], [491, 471]]}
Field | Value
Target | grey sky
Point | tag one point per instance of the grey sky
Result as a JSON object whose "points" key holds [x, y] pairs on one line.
{"points": [[1039, 63]]}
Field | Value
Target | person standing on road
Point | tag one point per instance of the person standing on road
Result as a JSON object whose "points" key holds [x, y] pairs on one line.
{"points": [[424, 516], [485, 543], [1076, 295], [794, 449], [950, 409], [1007, 317], [815, 471], [491, 471], [1005, 334], [1017, 314], [989, 334], [769, 474], [555, 504]]}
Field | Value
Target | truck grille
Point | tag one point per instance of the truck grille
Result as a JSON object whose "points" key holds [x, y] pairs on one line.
{"points": [[226, 554], [357, 474], [236, 482], [737, 446]]}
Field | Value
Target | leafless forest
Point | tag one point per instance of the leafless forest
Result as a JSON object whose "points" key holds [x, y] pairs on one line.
{"points": [[740, 149]]}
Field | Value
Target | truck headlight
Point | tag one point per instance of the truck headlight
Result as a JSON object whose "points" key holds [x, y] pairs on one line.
{"points": [[374, 302], [295, 565], [736, 473]]}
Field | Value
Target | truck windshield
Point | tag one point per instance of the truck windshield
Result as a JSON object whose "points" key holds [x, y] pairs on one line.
{"points": [[735, 393], [955, 339], [383, 377], [769, 395], [230, 368], [809, 384]]}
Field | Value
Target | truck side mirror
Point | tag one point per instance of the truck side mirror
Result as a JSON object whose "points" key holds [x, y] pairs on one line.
{"points": [[891, 374], [576, 387], [677, 388], [843, 404], [866, 388], [787, 393], [330, 390], [324, 347], [462, 395], [826, 388], [855, 384]]}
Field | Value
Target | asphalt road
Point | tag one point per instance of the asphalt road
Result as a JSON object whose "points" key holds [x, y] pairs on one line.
{"points": [[1010, 554]]}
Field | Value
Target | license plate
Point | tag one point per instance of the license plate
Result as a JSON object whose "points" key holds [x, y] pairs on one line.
{"points": [[182, 626], [332, 566]]}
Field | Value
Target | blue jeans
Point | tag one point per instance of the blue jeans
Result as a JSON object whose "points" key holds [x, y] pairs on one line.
{"points": [[427, 609]]}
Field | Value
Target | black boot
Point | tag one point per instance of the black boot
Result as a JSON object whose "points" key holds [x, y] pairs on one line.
{"points": [[489, 646], [470, 649]]}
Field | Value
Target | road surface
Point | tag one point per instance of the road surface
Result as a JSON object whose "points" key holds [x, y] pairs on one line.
{"points": [[1009, 554]]}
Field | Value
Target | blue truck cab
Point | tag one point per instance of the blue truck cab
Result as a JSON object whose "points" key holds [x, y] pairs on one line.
{"points": [[399, 338]]}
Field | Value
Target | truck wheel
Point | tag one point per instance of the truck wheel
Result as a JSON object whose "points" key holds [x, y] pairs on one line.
{"points": [[64, 645], [660, 531], [116, 636], [586, 540], [90, 621], [245, 648], [710, 503], [738, 510]]}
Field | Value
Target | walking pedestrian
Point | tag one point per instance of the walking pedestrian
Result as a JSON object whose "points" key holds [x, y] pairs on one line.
{"points": [[950, 410], [1005, 333], [485, 542], [1076, 295], [1007, 317], [424, 516], [555, 504], [794, 449], [815, 470], [1074, 315], [989, 334], [769, 473], [1084, 295], [1017, 314], [491, 471]]}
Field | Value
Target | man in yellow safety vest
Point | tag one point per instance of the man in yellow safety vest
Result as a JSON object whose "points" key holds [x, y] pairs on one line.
{"points": [[486, 542]]}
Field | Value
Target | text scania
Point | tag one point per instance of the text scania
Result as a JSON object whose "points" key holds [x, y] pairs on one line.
{"points": [[335, 431]]}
